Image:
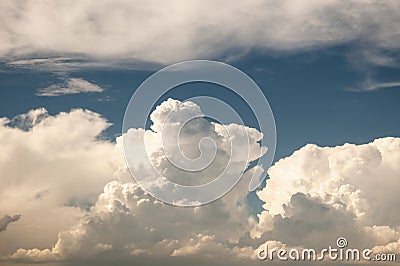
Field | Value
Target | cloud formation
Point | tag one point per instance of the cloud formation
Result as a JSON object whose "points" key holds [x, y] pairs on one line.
{"points": [[126, 207], [69, 86], [128, 223], [312, 197], [320, 193], [185, 148], [6, 220], [125, 222], [52, 168], [174, 30]]}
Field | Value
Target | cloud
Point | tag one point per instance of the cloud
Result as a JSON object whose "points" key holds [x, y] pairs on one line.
{"points": [[125, 222], [312, 197], [321, 193], [393, 247], [74, 63], [52, 168], [175, 31], [371, 86], [30, 119], [119, 224], [224, 152], [364, 58], [115, 212], [383, 85], [6, 220], [70, 86]]}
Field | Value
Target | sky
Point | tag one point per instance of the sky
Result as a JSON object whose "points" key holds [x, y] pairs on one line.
{"points": [[330, 71]]}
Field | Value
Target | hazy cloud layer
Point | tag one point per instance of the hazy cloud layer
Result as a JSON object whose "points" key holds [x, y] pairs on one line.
{"points": [[312, 197], [174, 30]]}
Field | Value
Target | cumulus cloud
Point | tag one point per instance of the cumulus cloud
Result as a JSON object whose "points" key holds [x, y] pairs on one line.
{"points": [[70, 86], [30, 119], [6, 220], [321, 193], [392, 247], [126, 221], [174, 30], [312, 197], [185, 148], [52, 168]]}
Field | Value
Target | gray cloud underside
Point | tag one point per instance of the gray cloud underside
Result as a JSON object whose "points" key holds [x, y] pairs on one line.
{"points": [[6, 220]]}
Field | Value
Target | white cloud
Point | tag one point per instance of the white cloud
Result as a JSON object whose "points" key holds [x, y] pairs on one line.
{"points": [[130, 224], [126, 221], [212, 151], [51, 168], [30, 119], [312, 197], [174, 30], [321, 193], [34, 255], [70, 86], [371, 86], [393, 247]]}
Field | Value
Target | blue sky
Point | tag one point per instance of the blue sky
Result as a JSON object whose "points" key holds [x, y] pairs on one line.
{"points": [[316, 96]]}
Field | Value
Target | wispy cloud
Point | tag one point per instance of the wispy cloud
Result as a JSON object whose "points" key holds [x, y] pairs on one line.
{"points": [[372, 85], [70, 86], [382, 85], [65, 65]]}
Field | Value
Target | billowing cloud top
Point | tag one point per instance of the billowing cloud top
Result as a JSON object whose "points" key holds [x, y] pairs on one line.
{"points": [[185, 149]]}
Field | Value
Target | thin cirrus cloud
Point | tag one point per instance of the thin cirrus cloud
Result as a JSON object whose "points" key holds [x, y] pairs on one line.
{"points": [[174, 30], [372, 85], [70, 86], [312, 197], [382, 85]]}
